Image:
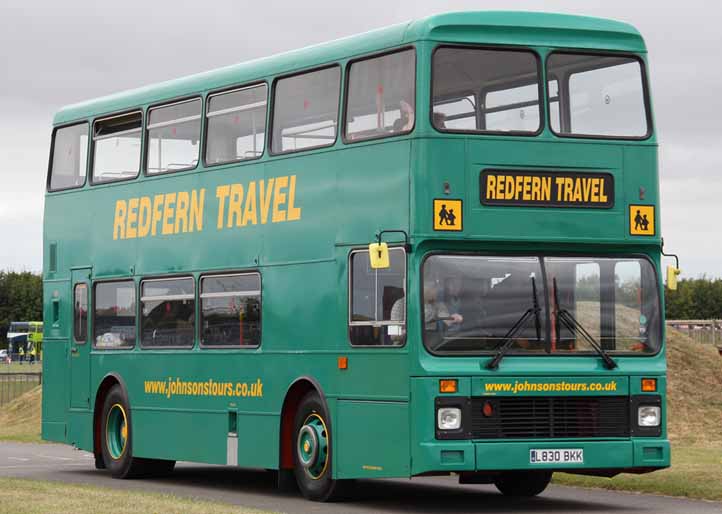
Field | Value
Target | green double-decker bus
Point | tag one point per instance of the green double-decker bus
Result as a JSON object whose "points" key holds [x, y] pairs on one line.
{"points": [[428, 249]]}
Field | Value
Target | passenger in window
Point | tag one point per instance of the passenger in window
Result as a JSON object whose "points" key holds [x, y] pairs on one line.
{"points": [[439, 120], [406, 121]]}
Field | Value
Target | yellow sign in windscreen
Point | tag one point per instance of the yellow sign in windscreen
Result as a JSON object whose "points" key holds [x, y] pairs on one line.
{"points": [[641, 220], [448, 214]]}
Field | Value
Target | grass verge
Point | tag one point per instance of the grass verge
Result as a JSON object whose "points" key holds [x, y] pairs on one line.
{"points": [[20, 419], [25, 367], [695, 473], [20, 496]]}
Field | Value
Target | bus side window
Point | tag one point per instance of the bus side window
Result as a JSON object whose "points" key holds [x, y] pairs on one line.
{"points": [[305, 110], [381, 96], [167, 308], [377, 313], [173, 135], [68, 162], [236, 125], [80, 313], [114, 314], [231, 310], [116, 147]]}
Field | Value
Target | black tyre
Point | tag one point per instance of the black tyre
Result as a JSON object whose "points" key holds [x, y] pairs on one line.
{"points": [[117, 441], [523, 483], [312, 452]]}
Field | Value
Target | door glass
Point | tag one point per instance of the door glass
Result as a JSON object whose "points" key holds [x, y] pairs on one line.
{"points": [[80, 313]]}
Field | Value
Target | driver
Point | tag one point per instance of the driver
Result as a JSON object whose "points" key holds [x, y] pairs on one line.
{"points": [[436, 313]]}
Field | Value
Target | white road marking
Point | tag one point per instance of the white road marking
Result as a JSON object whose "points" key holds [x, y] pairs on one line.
{"points": [[18, 459], [52, 457]]}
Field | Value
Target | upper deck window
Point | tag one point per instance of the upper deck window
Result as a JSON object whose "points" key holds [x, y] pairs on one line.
{"points": [[173, 135], [381, 93], [305, 111], [236, 125], [593, 95], [485, 90], [116, 147], [70, 153]]}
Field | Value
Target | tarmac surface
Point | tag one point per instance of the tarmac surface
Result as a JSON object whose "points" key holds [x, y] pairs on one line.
{"points": [[251, 488]]}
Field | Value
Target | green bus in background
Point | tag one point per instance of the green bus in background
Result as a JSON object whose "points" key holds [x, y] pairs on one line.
{"points": [[215, 290]]}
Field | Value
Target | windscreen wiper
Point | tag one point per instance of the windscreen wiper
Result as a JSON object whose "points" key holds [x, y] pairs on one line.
{"points": [[569, 321], [508, 340]]}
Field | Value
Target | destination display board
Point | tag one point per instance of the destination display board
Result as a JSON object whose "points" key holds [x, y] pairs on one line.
{"points": [[546, 189]]}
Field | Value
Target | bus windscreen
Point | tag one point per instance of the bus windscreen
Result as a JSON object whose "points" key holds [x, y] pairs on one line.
{"points": [[477, 304], [593, 95]]}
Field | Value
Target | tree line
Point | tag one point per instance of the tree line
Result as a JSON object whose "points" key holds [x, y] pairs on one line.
{"points": [[21, 299], [699, 298]]}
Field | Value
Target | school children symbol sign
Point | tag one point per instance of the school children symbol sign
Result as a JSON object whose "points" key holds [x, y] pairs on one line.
{"points": [[448, 214], [641, 220]]}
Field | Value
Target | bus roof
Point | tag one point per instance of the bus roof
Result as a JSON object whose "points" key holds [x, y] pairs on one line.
{"points": [[491, 27]]}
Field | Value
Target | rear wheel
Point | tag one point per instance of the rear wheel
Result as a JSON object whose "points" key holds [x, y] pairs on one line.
{"points": [[117, 441], [523, 483], [312, 451]]}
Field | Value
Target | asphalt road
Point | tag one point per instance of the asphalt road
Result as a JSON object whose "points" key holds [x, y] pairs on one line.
{"points": [[257, 489]]}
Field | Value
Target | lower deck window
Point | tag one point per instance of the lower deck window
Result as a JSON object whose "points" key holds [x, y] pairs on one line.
{"points": [[378, 300], [231, 310], [114, 314], [168, 312]]}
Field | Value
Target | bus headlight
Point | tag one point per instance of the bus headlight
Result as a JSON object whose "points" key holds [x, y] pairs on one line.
{"points": [[648, 416], [448, 418]]}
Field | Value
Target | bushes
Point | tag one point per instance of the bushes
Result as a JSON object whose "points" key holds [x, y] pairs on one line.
{"points": [[699, 298]]}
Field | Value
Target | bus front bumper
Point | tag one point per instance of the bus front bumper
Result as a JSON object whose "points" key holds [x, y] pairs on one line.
{"points": [[599, 456]]}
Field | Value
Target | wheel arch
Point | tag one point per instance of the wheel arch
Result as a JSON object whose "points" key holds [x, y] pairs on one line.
{"points": [[109, 380], [295, 393]]}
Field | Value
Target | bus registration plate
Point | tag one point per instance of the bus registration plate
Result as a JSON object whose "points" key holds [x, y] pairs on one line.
{"points": [[566, 456]]}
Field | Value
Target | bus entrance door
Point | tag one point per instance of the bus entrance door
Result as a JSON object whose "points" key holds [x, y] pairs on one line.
{"points": [[79, 341]]}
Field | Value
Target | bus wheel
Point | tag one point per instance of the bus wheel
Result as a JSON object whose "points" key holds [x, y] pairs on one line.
{"points": [[312, 451], [523, 483], [117, 441]]}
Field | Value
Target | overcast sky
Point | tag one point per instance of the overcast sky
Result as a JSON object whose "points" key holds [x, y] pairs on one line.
{"points": [[60, 52]]}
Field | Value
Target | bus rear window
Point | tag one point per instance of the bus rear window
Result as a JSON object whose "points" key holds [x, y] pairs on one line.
{"points": [[68, 163], [485, 90], [305, 111], [116, 147], [595, 95]]}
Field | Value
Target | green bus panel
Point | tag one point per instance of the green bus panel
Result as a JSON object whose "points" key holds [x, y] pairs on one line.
{"points": [[373, 439]]}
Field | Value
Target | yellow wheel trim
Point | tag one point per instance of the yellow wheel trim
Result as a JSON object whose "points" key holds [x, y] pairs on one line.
{"points": [[123, 432], [328, 438]]}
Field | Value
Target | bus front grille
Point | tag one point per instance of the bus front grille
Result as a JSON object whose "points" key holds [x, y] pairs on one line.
{"points": [[546, 417]]}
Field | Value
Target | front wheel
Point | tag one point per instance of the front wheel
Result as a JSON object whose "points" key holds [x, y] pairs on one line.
{"points": [[312, 451], [523, 483]]}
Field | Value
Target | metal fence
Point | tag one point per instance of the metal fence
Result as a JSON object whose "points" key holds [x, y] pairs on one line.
{"points": [[13, 385], [706, 331]]}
